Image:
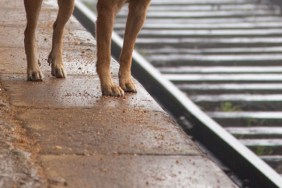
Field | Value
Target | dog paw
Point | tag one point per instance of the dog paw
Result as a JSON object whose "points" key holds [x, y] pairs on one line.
{"points": [[57, 67], [127, 85], [58, 72], [34, 75], [113, 90]]}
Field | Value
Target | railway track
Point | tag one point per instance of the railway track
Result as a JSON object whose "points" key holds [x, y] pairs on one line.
{"points": [[227, 57], [224, 55]]}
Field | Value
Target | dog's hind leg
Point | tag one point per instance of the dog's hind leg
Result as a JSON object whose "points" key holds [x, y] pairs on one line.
{"points": [[55, 57], [107, 10], [32, 8], [135, 20]]}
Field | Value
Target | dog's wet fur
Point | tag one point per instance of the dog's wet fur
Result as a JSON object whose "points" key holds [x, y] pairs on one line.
{"points": [[107, 10]]}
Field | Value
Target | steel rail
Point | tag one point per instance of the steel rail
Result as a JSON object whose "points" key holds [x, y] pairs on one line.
{"points": [[248, 167]]}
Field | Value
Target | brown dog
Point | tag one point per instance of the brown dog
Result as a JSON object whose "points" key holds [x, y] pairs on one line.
{"points": [[107, 10]]}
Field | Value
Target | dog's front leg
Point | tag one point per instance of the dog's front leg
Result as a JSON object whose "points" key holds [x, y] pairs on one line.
{"points": [[32, 8], [55, 57], [106, 14], [135, 20]]}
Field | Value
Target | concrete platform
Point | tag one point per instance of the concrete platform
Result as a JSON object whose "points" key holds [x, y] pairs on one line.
{"points": [[63, 133]]}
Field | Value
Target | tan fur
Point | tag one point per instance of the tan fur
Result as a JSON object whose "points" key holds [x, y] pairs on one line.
{"points": [[107, 10]]}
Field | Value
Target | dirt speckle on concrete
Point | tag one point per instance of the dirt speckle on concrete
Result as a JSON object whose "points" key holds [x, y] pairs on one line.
{"points": [[18, 163]]}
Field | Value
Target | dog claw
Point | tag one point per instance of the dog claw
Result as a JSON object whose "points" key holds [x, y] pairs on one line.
{"points": [[128, 86], [114, 91], [35, 76], [57, 67], [58, 72]]}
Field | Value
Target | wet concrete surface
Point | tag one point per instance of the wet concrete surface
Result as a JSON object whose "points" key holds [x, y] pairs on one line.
{"points": [[77, 61], [63, 133], [75, 91], [106, 131], [44, 37], [18, 164], [133, 171]]}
